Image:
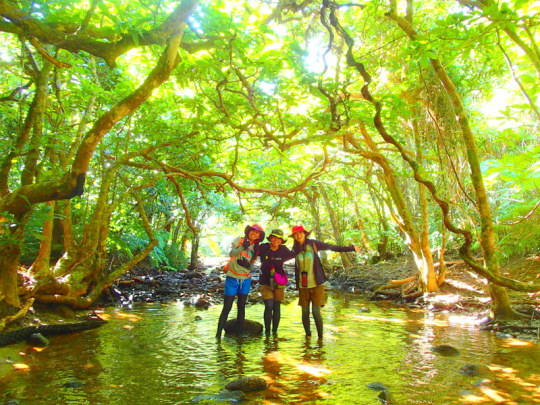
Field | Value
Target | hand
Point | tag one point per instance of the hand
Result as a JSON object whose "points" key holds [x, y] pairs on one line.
{"points": [[245, 243], [357, 248]]}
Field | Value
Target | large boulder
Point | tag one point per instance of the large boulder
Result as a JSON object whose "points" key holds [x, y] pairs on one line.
{"points": [[249, 328]]}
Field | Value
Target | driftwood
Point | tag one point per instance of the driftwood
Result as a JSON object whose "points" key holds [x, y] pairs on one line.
{"points": [[396, 284], [48, 330]]}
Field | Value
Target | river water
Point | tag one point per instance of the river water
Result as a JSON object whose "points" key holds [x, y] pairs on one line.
{"points": [[161, 354]]}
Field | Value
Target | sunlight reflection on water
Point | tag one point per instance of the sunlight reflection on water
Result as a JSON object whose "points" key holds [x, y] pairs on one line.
{"points": [[160, 354]]}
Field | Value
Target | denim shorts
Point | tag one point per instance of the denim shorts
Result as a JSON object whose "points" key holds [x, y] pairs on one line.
{"points": [[234, 286]]}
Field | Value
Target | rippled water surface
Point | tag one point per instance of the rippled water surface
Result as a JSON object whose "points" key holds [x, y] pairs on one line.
{"points": [[159, 354]]}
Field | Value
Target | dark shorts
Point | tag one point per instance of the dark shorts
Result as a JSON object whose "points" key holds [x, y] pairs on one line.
{"points": [[317, 295], [235, 286], [268, 294]]}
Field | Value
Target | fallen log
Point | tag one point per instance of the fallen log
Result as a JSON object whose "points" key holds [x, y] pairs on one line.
{"points": [[48, 330]]}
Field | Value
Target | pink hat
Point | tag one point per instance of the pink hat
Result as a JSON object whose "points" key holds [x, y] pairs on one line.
{"points": [[255, 227]]}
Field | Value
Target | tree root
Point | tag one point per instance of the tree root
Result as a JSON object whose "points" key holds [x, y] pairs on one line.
{"points": [[22, 312], [408, 286], [395, 283]]}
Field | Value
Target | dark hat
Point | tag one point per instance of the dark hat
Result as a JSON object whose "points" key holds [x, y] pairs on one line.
{"points": [[278, 233], [254, 227], [299, 228]]}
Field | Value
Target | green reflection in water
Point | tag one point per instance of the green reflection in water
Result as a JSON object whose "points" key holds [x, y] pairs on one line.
{"points": [[159, 354]]}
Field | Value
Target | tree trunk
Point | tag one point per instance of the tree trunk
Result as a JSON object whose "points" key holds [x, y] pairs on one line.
{"points": [[19, 203], [336, 230], [312, 199], [10, 252], [500, 304], [194, 258], [421, 254], [428, 275], [366, 245], [41, 266]]}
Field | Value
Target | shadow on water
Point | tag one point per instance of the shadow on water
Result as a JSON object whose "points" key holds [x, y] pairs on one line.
{"points": [[161, 354]]}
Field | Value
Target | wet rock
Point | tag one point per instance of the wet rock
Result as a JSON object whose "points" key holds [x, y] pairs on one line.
{"points": [[247, 384], [377, 386], [12, 402], [504, 335], [386, 397], [224, 396], [473, 370], [37, 339], [445, 350], [202, 303], [249, 328], [73, 384], [364, 309], [197, 318], [164, 291], [193, 275], [482, 381]]}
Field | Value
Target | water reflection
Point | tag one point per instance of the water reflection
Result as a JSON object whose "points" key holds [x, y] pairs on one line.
{"points": [[161, 354]]}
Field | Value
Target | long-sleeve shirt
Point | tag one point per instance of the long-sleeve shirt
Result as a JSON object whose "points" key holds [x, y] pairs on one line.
{"points": [[308, 260], [272, 259], [239, 252]]}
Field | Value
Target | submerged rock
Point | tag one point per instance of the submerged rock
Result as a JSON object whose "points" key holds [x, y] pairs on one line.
{"points": [[247, 384], [249, 328], [386, 397], [482, 381], [445, 350], [224, 396], [202, 303], [73, 384], [37, 339], [377, 386], [473, 370]]}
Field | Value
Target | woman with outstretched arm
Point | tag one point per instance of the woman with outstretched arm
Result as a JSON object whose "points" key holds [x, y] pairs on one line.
{"points": [[310, 276]]}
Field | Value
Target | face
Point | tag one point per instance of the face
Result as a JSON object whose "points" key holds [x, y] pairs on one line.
{"points": [[300, 237], [275, 241], [254, 235]]}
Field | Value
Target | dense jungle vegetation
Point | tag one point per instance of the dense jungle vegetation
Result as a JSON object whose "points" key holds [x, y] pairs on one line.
{"points": [[139, 130]]}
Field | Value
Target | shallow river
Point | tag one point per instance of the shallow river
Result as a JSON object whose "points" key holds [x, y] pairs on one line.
{"points": [[159, 354]]}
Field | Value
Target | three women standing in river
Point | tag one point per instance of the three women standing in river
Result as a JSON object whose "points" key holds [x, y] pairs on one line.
{"points": [[309, 276]]}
